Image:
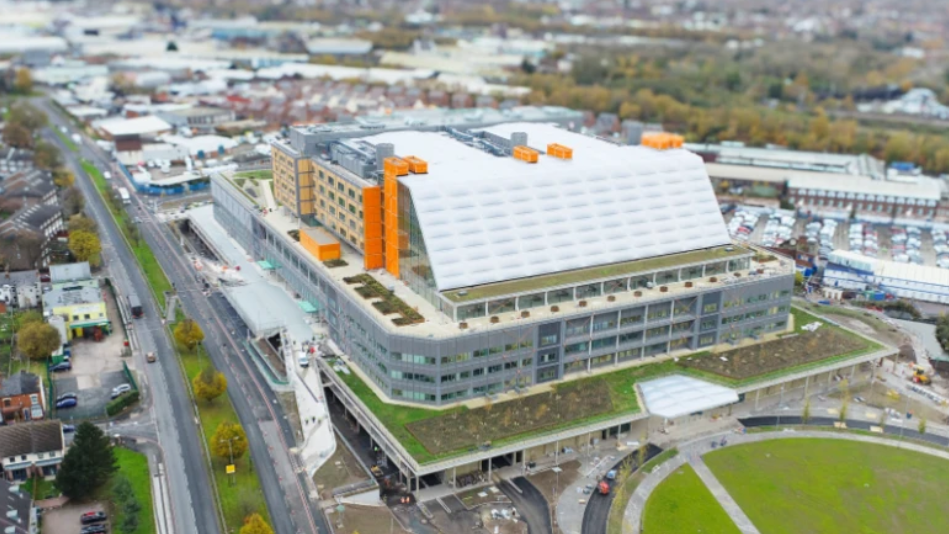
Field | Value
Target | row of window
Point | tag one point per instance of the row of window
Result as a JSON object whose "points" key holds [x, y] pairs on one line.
{"points": [[753, 299], [864, 196]]}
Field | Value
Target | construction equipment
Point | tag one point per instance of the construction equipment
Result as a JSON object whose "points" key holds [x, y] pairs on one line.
{"points": [[604, 487], [920, 376]]}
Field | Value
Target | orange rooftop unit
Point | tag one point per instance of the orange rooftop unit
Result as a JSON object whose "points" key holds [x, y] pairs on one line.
{"points": [[320, 243], [524, 153], [416, 165], [662, 140], [559, 151]]}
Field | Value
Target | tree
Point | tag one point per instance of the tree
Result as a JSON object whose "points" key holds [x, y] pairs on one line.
{"points": [[254, 524], [842, 417], [73, 204], [46, 156], [88, 465], [16, 135], [229, 433], [27, 115], [24, 81], [172, 47], [209, 384], [798, 279], [806, 414], [188, 334], [38, 340], [81, 223], [63, 178], [921, 426], [85, 246]]}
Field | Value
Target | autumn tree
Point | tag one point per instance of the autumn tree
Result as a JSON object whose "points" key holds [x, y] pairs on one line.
{"points": [[46, 156], [63, 178], [188, 334], [81, 223], [209, 384], [16, 135], [24, 81], [85, 246], [229, 439], [38, 340], [73, 204], [26, 115], [921, 426], [254, 524]]}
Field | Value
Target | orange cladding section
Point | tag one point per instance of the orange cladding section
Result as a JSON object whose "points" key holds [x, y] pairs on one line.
{"points": [[392, 169], [372, 224], [326, 247]]}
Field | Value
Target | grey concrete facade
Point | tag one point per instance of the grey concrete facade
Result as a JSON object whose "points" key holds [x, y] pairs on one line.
{"points": [[469, 364]]}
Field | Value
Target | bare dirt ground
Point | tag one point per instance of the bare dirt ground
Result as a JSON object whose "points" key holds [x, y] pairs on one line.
{"points": [[878, 397], [365, 520], [474, 497], [341, 469]]}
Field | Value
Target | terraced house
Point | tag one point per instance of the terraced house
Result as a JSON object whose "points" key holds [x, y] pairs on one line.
{"points": [[464, 261]]}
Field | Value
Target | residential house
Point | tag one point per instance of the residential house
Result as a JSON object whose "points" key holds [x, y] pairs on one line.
{"points": [[32, 219], [21, 289], [14, 160], [19, 515], [31, 449], [22, 397]]}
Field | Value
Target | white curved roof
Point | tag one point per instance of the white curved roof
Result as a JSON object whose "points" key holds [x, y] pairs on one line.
{"points": [[489, 219], [675, 396]]}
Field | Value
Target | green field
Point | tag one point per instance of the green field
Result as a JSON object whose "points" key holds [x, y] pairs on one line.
{"points": [[154, 274], [682, 504], [244, 496], [833, 486], [134, 466]]}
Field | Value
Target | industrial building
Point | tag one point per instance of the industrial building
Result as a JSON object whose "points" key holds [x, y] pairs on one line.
{"points": [[456, 261], [875, 201], [853, 271]]}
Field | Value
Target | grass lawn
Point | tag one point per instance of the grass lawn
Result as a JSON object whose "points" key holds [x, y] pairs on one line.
{"points": [[834, 486], [682, 504], [154, 274], [255, 175], [614, 524], [134, 466], [66, 140], [40, 488], [244, 496]]}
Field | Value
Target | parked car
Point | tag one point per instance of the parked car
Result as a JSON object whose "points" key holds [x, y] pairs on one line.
{"points": [[69, 429], [69, 395], [60, 367], [92, 517], [66, 403], [117, 391], [304, 361], [150, 357], [93, 529]]}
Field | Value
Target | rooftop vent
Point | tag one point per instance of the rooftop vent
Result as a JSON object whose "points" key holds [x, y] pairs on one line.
{"points": [[559, 151]]}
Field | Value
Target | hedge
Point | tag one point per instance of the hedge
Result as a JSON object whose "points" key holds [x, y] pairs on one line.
{"points": [[121, 403]]}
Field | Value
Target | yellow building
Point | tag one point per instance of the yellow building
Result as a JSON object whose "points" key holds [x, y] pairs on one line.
{"points": [[81, 305]]}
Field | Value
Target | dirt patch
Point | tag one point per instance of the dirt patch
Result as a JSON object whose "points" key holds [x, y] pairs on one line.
{"points": [[483, 495], [519, 416], [341, 469], [548, 480], [879, 396], [787, 352], [364, 519]]}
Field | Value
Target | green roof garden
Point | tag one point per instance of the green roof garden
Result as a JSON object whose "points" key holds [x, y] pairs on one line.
{"points": [[579, 276]]}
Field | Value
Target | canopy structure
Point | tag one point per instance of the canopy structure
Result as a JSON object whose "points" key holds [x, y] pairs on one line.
{"points": [[674, 396]]}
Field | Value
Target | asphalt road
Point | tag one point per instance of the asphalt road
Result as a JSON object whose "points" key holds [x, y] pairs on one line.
{"points": [[283, 481], [530, 504], [597, 512], [909, 432], [191, 498]]}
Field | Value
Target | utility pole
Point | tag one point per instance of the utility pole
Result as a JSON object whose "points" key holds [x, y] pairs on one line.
{"points": [[230, 450]]}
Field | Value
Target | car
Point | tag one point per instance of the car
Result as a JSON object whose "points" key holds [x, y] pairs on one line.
{"points": [[69, 395], [94, 529], [92, 517], [150, 357], [117, 391], [69, 429], [304, 361], [66, 403], [60, 367]]}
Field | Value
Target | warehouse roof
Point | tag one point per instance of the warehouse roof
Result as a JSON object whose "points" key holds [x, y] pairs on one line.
{"points": [[149, 124], [488, 219], [924, 188]]}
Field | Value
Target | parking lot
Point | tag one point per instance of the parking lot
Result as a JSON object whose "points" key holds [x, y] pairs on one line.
{"points": [[96, 369], [65, 520], [891, 242]]}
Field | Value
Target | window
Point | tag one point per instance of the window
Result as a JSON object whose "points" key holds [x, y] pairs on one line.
{"points": [[657, 332], [332, 182], [603, 343], [34, 399], [578, 327], [706, 340], [340, 187], [576, 348], [551, 339], [710, 308], [659, 312], [632, 337], [548, 357], [494, 369], [604, 322], [456, 358], [546, 375], [630, 317], [708, 324]]}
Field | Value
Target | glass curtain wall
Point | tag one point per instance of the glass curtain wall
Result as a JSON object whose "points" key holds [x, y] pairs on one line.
{"points": [[414, 266]]}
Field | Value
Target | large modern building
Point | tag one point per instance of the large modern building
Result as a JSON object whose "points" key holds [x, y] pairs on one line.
{"points": [[454, 261], [518, 253]]}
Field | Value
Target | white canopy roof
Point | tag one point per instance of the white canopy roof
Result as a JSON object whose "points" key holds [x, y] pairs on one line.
{"points": [[489, 219], [674, 396]]}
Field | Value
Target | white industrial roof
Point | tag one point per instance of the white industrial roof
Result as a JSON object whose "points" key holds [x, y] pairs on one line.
{"points": [[923, 188], [139, 125], [208, 144], [885, 270], [489, 219], [674, 396]]}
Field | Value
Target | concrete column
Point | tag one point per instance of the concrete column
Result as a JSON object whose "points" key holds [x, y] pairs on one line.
{"points": [[557, 453], [454, 477], [853, 370], [757, 394], [588, 364], [807, 381], [490, 464]]}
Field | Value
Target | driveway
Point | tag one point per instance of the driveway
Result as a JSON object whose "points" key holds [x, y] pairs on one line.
{"points": [[66, 519]]}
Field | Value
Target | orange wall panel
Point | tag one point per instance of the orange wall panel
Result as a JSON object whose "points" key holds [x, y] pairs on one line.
{"points": [[372, 228]]}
